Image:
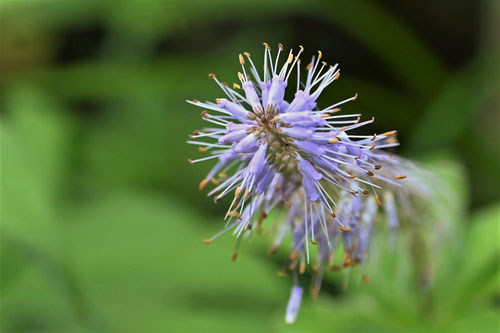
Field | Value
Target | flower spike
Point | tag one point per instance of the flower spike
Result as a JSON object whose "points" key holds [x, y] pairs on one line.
{"points": [[291, 154]]}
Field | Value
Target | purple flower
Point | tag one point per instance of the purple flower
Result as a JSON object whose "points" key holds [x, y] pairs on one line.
{"points": [[302, 158]]}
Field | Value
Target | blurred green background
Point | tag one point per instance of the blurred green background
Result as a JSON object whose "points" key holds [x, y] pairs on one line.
{"points": [[101, 219]]}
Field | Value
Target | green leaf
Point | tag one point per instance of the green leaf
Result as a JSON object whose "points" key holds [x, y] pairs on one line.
{"points": [[390, 39], [457, 104], [141, 253], [35, 143]]}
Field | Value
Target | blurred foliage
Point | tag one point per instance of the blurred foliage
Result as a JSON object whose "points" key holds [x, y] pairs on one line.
{"points": [[101, 223]]}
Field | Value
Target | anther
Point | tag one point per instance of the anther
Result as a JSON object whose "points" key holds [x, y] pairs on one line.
{"points": [[222, 175], [203, 184], [314, 242], [242, 60], [246, 54], [237, 191], [234, 205], [202, 149], [314, 292], [233, 213], [234, 256], [391, 133], [290, 58], [365, 192], [324, 63], [196, 101], [308, 67], [302, 268], [378, 200], [301, 48], [211, 75], [204, 114], [320, 54], [366, 279], [282, 272], [378, 166], [400, 177], [236, 86], [347, 260], [374, 137], [333, 215], [273, 250], [333, 140], [241, 77], [369, 173], [344, 229], [335, 110], [207, 241], [325, 115], [266, 46], [262, 216], [337, 76], [336, 268], [373, 147], [355, 96], [280, 46], [293, 256]]}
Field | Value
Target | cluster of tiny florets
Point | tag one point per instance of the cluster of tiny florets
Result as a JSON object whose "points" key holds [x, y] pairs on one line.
{"points": [[301, 158]]}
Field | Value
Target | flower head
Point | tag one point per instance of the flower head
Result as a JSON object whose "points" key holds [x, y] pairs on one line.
{"points": [[294, 155]]}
